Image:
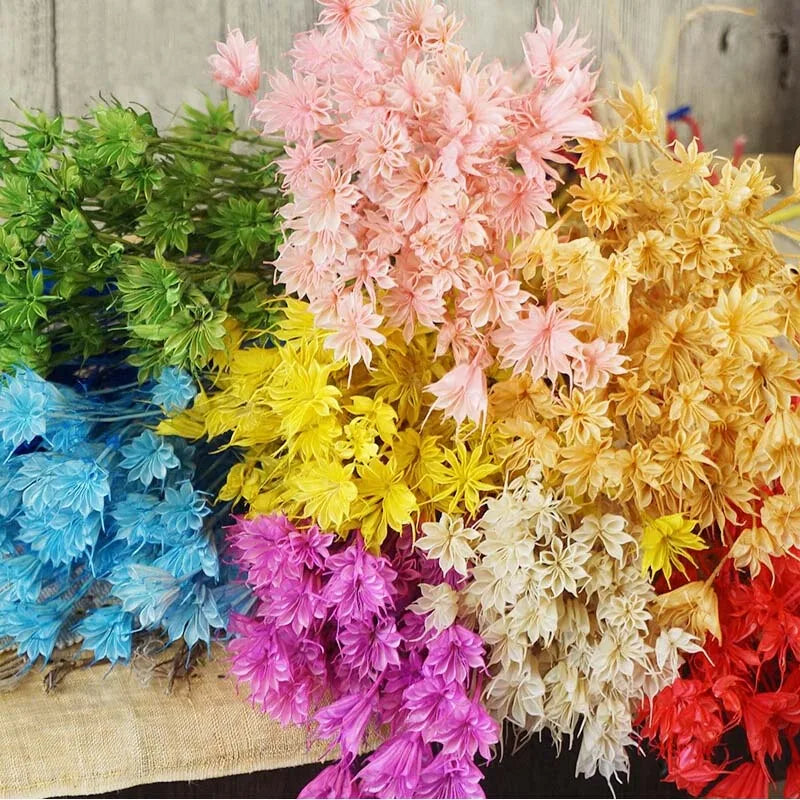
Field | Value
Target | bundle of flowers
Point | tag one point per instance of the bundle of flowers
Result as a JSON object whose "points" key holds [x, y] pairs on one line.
{"points": [[355, 640], [115, 235], [746, 685], [576, 419], [502, 461], [107, 532]]}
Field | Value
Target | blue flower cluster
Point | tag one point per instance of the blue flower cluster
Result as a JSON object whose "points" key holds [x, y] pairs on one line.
{"points": [[104, 528]]}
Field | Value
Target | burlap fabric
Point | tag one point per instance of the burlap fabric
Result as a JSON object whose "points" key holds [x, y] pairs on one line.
{"points": [[100, 731]]}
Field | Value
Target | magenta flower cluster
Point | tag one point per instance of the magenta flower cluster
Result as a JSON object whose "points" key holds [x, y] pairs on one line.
{"points": [[333, 642]]}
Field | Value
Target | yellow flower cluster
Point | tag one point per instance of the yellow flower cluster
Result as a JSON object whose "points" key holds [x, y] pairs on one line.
{"points": [[346, 448]]}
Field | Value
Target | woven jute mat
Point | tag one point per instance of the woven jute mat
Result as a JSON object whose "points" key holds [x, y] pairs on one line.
{"points": [[102, 730]]}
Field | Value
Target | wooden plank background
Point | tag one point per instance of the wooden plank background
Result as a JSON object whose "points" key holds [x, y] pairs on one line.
{"points": [[740, 73]]}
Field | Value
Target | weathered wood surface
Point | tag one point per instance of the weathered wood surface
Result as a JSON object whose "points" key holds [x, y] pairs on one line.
{"points": [[740, 73]]}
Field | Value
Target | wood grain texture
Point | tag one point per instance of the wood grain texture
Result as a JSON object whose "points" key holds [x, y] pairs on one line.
{"points": [[147, 51], [27, 56], [495, 28], [738, 72], [741, 74]]}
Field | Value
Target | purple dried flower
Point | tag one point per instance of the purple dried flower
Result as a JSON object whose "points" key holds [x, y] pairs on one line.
{"points": [[394, 769], [360, 583], [261, 546], [469, 729], [335, 781], [448, 777], [310, 548], [370, 647], [396, 681], [345, 721], [285, 672], [296, 602], [406, 563], [453, 653], [430, 701], [333, 625]]}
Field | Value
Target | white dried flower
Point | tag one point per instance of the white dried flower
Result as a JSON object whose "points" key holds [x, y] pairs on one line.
{"points": [[449, 542], [439, 603]]}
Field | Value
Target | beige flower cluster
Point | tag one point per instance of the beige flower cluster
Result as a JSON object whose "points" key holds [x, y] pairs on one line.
{"points": [[559, 598]]}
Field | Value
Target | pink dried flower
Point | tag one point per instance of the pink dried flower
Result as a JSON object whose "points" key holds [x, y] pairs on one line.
{"points": [[298, 106], [236, 65], [413, 301], [314, 51], [542, 342], [546, 56], [355, 324], [595, 363], [453, 654], [494, 297], [403, 148], [302, 161], [326, 198], [462, 392], [519, 203], [351, 20], [419, 193]]}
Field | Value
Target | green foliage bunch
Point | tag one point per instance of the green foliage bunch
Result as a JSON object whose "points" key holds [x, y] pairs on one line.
{"points": [[115, 236]]}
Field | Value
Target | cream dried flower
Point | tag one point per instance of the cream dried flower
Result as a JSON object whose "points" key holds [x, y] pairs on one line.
{"points": [[610, 530], [449, 542], [439, 603]]}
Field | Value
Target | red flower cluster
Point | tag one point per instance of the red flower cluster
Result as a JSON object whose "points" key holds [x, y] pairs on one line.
{"points": [[734, 714]]}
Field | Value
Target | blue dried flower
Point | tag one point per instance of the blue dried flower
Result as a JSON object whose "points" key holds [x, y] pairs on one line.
{"points": [[233, 598], [22, 412], [9, 497], [108, 631], [194, 616], [71, 530], [196, 554], [145, 591], [148, 457], [137, 519], [80, 485], [34, 627], [21, 578], [175, 389], [60, 537], [182, 510]]}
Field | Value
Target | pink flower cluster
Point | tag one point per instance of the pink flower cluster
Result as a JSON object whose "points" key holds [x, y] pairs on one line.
{"points": [[333, 641], [236, 64], [411, 166]]}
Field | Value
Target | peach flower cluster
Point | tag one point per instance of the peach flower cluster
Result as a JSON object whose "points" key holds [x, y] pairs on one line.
{"points": [[413, 169]]}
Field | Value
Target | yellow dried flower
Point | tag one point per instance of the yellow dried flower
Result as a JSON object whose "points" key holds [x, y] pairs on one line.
{"points": [[667, 540], [600, 202]]}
